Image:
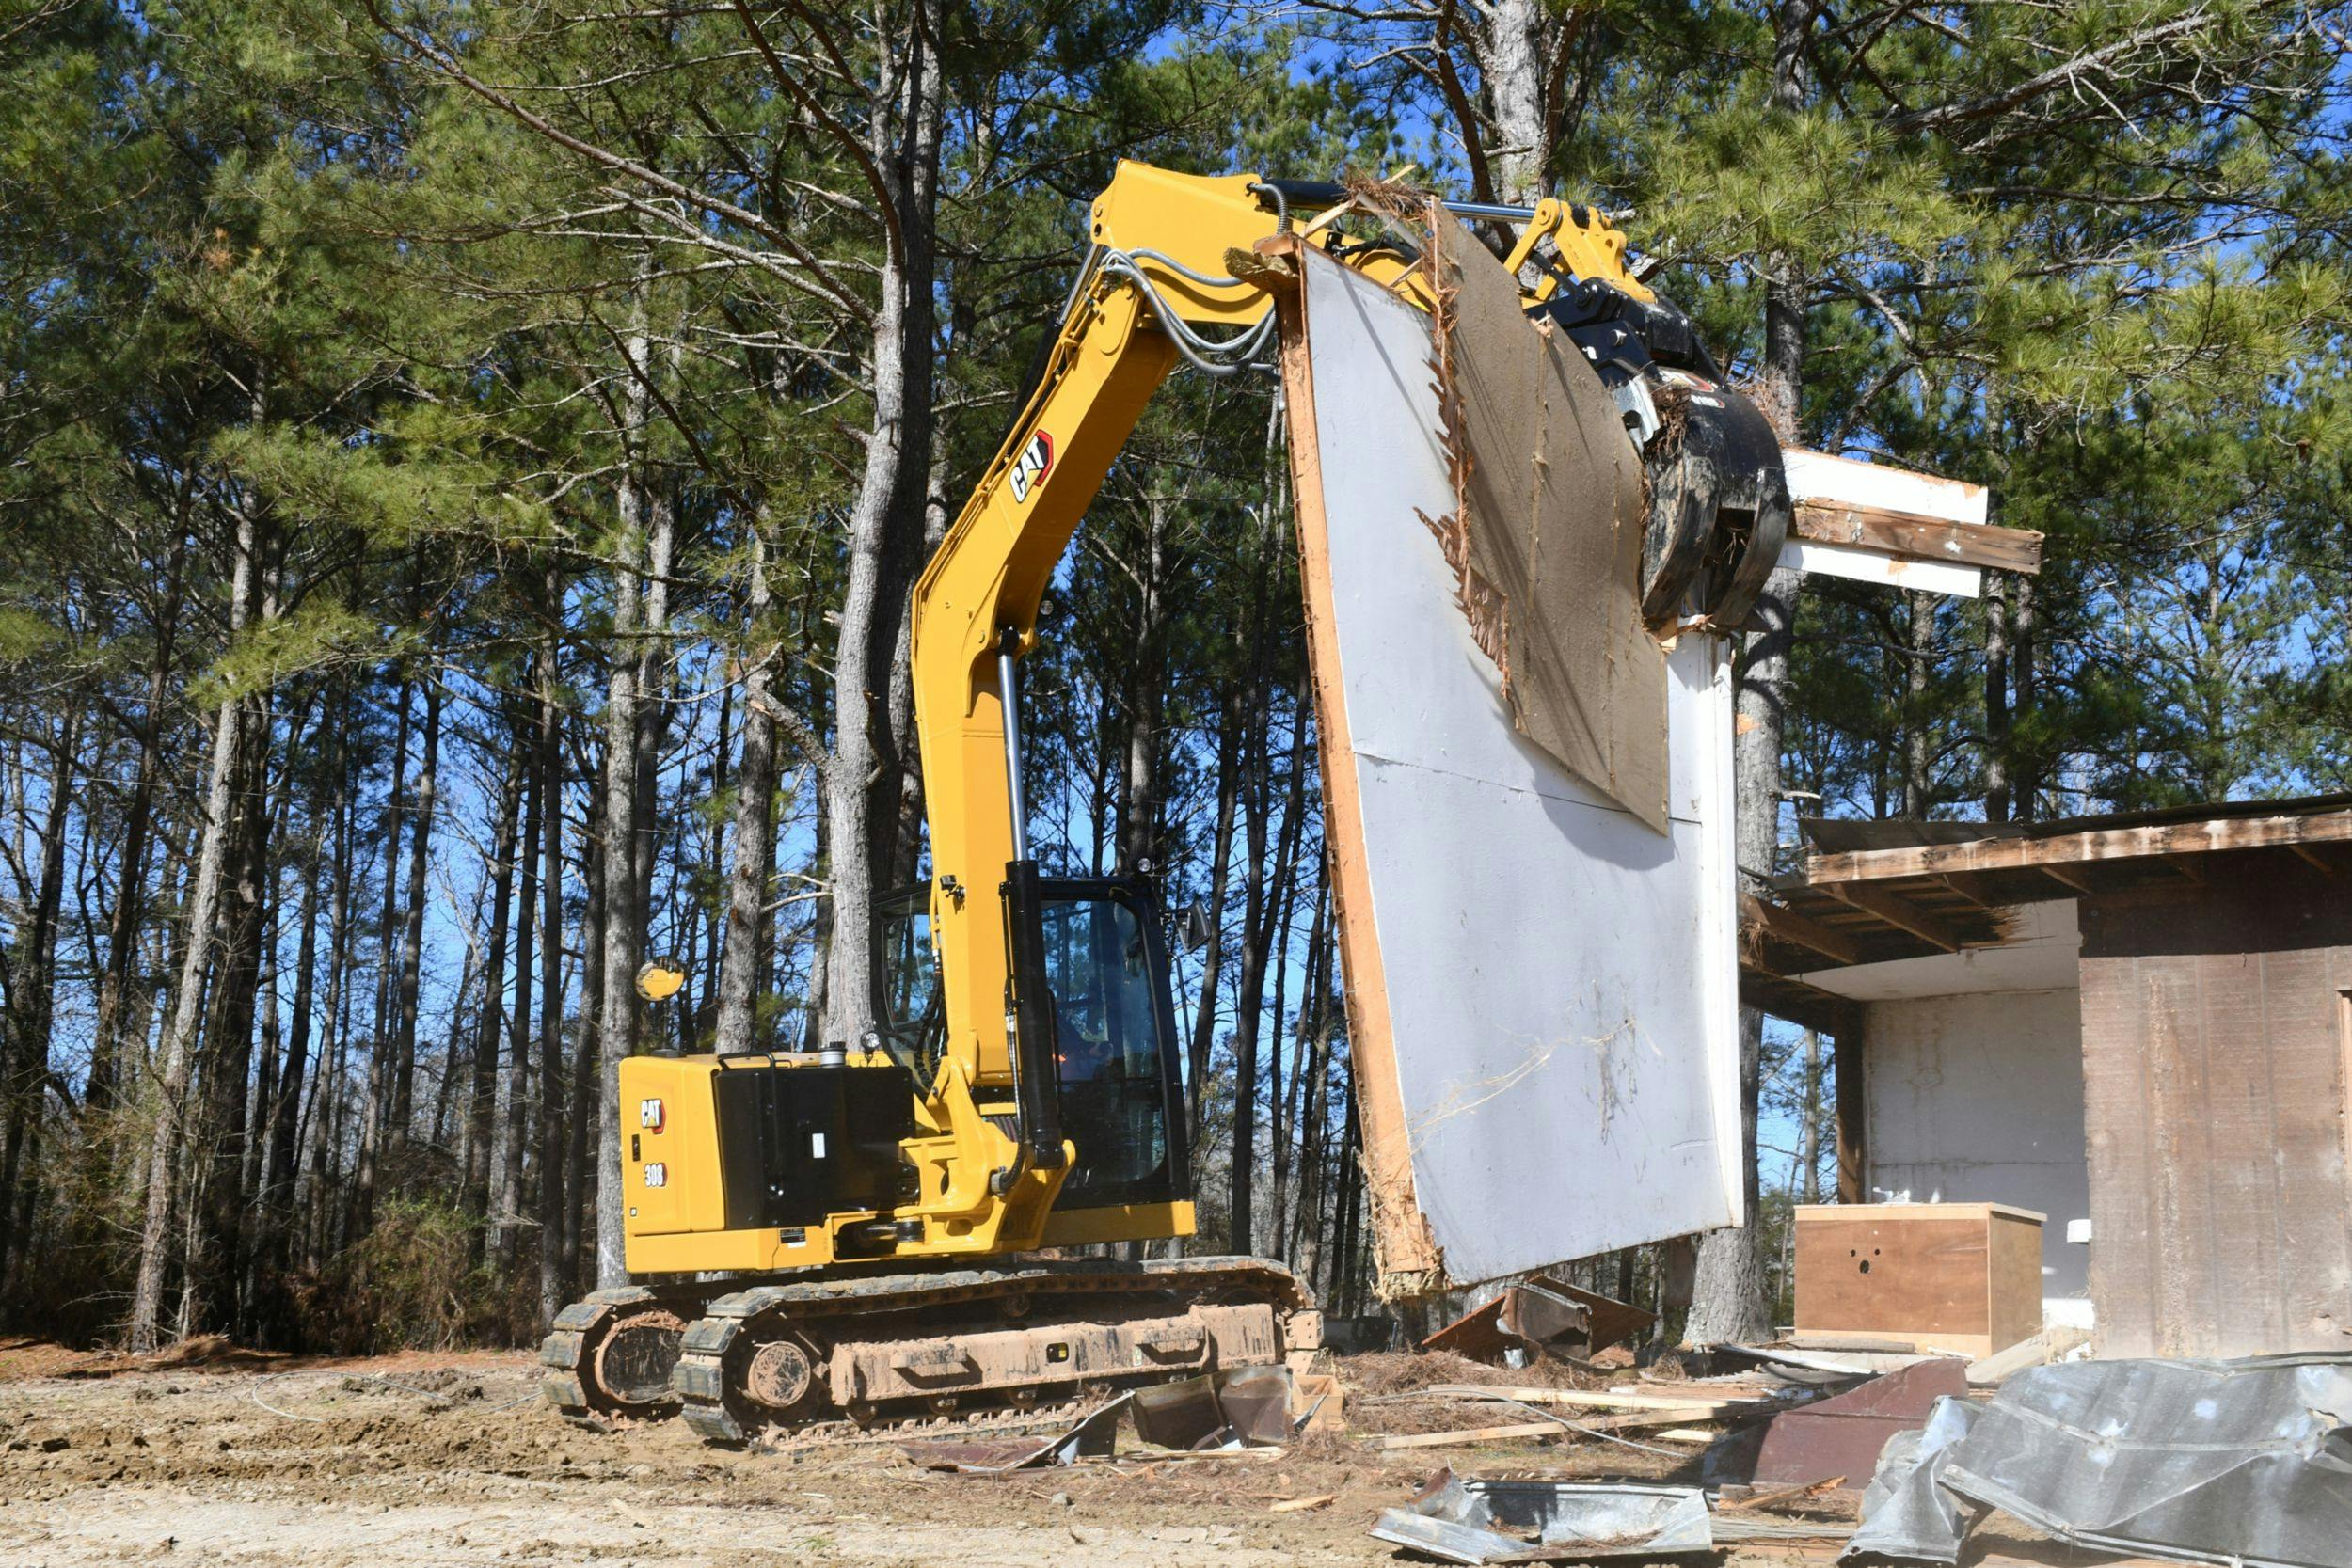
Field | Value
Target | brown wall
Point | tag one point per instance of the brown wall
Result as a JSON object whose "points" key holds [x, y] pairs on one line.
{"points": [[2214, 1075]]}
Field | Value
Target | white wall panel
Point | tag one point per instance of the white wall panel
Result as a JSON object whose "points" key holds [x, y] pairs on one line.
{"points": [[1977, 1098], [1559, 979]]}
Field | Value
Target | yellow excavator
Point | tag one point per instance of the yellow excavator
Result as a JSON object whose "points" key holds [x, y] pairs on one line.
{"points": [[892, 1231]]}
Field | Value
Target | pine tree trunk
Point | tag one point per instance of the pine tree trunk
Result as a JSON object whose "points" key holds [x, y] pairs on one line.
{"points": [[620, 936], [1511, 58], [110, 1037], [554, 1188], [247, 902], [1260, 927], [1728, 1302], [28, 1084], [362, 1208], [1213, 955], [885, 532], [1919, 651], [167, 1146], [1996, 769], [1147, 685], [742, 964], [510, 1197], [286, 1103], [482, 1103], [329, 1096], [412, 933], [2026, 783], [588, 1052]]}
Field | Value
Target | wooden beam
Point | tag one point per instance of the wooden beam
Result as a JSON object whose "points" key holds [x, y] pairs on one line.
{"points": [[1801, 930], [2074, 880], [1474, 1434], [1956, 885], [1909, 535], [2112, 844], [1807, 1007], [2309, 855], [1819, 476], [1681, 1407], [1848, 1078], [1898, 910], [1999, 890]]}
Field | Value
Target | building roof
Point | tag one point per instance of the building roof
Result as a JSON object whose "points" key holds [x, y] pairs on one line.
{"points": [[1838, 834], [1873, 892]]}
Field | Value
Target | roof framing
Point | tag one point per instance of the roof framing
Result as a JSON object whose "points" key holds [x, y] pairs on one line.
{"points": [[2054, 855]]}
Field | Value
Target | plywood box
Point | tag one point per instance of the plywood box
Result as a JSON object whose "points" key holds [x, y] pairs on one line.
{"points": [[1961, 1276]]}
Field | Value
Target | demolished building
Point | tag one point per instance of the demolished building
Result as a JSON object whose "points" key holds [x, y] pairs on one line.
{"points": [[2138, 1024]]}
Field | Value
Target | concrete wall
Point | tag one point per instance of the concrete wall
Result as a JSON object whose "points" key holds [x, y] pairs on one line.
{"points": [[1978, 1099]]}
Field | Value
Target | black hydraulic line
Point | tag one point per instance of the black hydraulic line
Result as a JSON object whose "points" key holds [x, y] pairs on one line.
{"points": [[1036, 1047]]}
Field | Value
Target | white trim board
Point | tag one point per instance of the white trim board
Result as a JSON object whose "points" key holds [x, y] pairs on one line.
{"points": [[1841, 561], [1817, 476]]}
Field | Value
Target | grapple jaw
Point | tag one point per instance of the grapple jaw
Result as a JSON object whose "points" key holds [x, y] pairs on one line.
{"points": [[1719, 507]]}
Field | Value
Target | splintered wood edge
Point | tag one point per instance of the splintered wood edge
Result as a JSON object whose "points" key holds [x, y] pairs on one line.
{"points": [[1403, 1242]]}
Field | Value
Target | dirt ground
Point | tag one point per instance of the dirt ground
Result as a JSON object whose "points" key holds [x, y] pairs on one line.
{"points": [[232, 1458]]}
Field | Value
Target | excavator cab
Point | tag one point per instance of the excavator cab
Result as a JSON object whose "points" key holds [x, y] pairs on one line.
{"points": [[1101, 964]]}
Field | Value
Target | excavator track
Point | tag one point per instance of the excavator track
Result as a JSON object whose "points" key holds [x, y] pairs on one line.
{"points": [[612, 1354], [821, 1359]]}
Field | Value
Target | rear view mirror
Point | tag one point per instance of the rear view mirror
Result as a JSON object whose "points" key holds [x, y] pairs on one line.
{"points": [[1192, 926]]}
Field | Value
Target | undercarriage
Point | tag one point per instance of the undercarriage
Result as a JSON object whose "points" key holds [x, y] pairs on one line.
{"points": [[812, 1358]]}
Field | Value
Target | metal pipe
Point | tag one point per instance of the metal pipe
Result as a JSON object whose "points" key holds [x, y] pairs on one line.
{"points": [[1488, 210], [1008, 697]]}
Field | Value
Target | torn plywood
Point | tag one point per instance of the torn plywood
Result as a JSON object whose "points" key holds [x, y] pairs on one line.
{"points": [[1541, 987], [1544, 532]]}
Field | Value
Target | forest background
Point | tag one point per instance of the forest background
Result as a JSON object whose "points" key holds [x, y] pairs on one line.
{"points": [[462, 464]]}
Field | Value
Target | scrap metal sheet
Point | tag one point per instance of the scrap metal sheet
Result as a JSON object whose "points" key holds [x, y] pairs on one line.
{"points": [[2242, 1461], [1906, 1513], [1843, 1435], [1542, 988], [1490, 1522]]}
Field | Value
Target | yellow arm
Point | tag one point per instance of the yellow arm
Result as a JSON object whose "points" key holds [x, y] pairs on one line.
{"points": [[1160, 248], [993, 568]]}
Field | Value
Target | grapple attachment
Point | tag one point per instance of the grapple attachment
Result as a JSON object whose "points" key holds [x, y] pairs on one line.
{"points": [[1719, 508]]}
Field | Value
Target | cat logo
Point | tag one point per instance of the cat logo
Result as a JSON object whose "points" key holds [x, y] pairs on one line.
{"points": [[1031, 464]]}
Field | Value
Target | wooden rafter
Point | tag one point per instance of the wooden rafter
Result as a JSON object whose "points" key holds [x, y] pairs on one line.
{"points": [[2311, 856], [1898, 910], [1956, 885], [1805, 1006], [2065, 877], [1802, 930]]}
